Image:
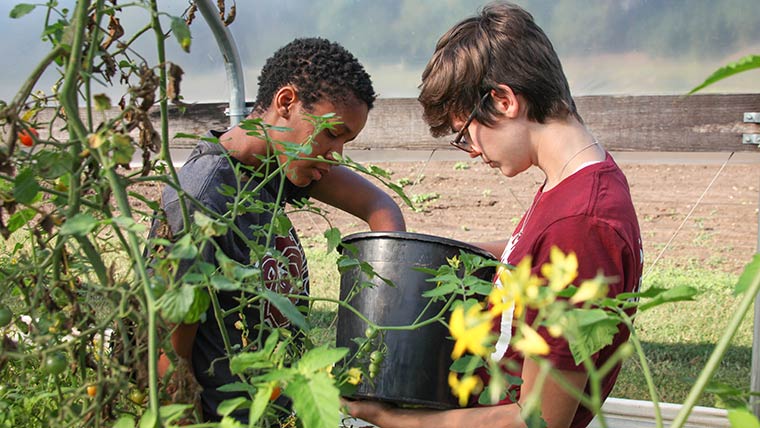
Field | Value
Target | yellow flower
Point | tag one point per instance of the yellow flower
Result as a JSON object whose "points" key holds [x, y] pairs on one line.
{"points": [[354, 376], [556, 330], [470, 330], [590, 290], [530, 342], [464, 388], [561, 270], [453, 262], [519, 285]]}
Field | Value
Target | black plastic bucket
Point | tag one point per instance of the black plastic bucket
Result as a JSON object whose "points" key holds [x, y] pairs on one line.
{"points": [[416, 365]]}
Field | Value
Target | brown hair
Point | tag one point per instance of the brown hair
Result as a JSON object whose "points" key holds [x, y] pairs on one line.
{"points": [[501, 45]]}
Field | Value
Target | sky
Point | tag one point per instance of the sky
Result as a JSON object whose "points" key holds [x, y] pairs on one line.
{"points": [[392, 38]]}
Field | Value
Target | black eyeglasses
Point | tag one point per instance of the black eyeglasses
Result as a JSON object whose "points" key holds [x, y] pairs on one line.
{"points": [[459, 141]]}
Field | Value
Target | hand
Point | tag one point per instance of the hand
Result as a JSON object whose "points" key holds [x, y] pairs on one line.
{"points": [[370, 411]]}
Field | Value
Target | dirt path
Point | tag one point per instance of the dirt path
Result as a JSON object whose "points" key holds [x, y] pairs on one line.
{"points": [[470, 202]]}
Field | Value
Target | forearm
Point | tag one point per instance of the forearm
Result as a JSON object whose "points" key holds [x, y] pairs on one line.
{"points": [[385, 216], [182, 339], [352, 193], [494, 247], [504, 416]]}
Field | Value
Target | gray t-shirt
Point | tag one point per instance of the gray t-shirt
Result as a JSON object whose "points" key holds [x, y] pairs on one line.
{"points": [[207, 171]]}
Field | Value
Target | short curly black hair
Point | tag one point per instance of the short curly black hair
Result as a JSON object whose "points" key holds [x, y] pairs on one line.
{"points": [[320, 69]]}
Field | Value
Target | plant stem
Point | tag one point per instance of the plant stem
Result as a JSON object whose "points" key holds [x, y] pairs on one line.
{"points": [[165, 153], [644, 367], [717, 355]]}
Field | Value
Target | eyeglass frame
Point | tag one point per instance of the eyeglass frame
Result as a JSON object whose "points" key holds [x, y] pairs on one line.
{"points": [[459, 141]]}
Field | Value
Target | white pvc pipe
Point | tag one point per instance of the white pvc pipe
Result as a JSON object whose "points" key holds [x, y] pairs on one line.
{"points": [[232, 65]]}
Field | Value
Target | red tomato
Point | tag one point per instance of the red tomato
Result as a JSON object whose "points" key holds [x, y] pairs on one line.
{"points": [[275, 393], [25, 137]]}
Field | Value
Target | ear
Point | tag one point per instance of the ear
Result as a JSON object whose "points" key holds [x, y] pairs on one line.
{"points": [[506, 101], [284, 101]]}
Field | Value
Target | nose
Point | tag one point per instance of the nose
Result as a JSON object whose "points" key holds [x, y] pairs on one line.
{"points": [[336, 148], [474, 150]]}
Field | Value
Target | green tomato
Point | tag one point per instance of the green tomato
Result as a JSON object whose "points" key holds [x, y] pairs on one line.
{"points": [[136, 396], [364, 347], [5, 316], [55, 363], [370, 332], [376, 357]]}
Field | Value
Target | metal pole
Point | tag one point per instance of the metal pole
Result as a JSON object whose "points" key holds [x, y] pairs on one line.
{"points": [[755, 375], [232, 65]]}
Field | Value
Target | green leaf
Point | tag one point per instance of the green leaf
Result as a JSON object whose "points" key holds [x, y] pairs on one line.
{"points": [[287, 308], [466, 364], [172, 412], [125, 422], [260, 402], [282, 225], [315, 400], [186, 135], [750, 273], [183, 249], [20, 218], [258, 359], [52, 164], [229, 422], [223, 283], [320, 358], [122, 149], [129, 224], [181, 32], [25, 187], [209, 227], [749, 62], [80, 225], [485, 397], [176, 303], [238, 387], [333, 239], [676, 294], [20, 10], [442, 290], [199, 307], [590, 330], [741, 418], [148, 419], [228, 406], [102, 102]]}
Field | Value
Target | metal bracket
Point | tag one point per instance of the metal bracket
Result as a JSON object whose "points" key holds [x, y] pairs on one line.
{"points": [[751, 117]]}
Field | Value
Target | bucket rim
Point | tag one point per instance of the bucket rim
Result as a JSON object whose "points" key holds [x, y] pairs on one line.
{"points": [[414, 236]]}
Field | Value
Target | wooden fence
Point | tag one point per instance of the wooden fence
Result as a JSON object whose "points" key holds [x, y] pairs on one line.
{"points": [[699, 123]]}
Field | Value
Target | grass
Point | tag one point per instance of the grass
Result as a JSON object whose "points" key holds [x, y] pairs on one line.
{"points": [[677, 338]]}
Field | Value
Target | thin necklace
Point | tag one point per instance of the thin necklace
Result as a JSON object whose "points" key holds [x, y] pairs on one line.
{"points": [[562, 171], [541, 195]]}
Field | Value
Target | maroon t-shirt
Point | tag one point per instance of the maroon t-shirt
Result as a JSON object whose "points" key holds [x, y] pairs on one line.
{"points": [[591, 214]]}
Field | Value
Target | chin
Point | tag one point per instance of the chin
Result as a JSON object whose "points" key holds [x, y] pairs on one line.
{"points": [[300, 182]]}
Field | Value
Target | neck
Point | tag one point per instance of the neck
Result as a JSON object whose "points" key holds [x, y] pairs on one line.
{"points": [[243, 147], [562, 147]]}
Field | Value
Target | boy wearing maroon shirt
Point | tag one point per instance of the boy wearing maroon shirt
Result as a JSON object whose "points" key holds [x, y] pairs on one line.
{"points": [[496, 81]]}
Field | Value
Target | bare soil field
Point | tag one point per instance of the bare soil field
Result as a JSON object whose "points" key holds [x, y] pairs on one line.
{"points": [[470, 202]]}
